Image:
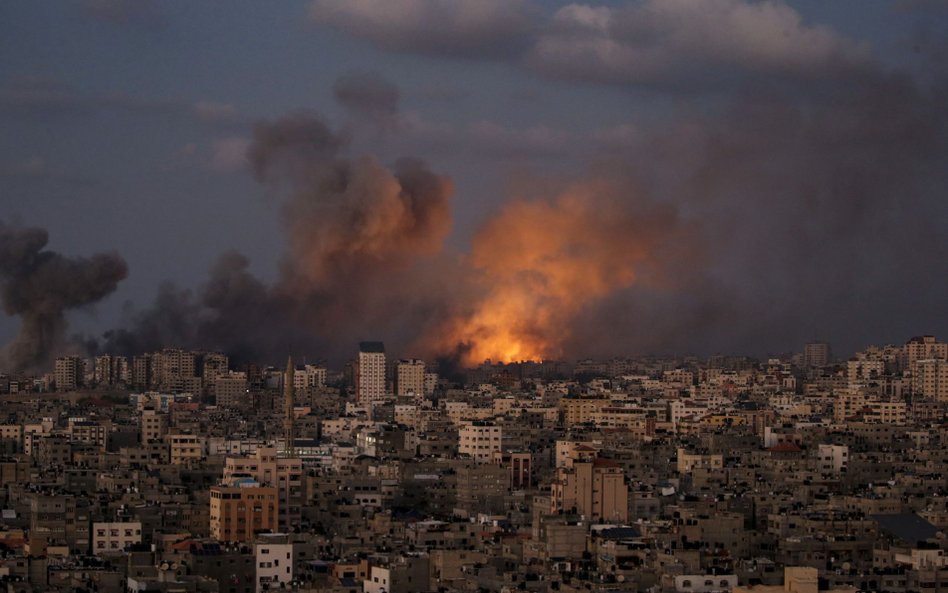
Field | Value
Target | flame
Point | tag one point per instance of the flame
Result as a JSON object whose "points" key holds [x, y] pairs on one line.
{"points": [[541, 262]]}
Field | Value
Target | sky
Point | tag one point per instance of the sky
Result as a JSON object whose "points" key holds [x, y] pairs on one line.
{"points": [[509, 179]]}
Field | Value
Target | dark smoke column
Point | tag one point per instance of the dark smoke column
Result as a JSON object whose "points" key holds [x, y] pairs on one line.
{"points": [[40, 285]]}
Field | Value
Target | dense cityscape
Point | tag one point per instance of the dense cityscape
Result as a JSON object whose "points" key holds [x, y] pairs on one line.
{"points": [[173, 471], [474, 296]]}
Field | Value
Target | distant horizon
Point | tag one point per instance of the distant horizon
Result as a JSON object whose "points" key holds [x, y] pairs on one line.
{"points": [[300, 360]]}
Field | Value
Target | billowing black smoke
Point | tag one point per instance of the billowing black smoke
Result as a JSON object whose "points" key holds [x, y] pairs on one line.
{"points": [[363, 257], [39, 285]]}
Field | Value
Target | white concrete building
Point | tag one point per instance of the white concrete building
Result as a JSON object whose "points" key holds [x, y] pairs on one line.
{"points": [[273, 554]]}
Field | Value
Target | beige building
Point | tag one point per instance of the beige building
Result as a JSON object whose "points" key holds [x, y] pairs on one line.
{"points": [[268, 469], [82, 430], [832, 459], [479, 440], [370, 373], [68, 371], [273, 555], [172, 367], [930, 378], [154, 425], [594, 488], [922, 348], [231, 390], [115, 537], [410, 378], [862, 370], [688, 462], [240, 511], [580, 410], [816, 354], [185, 449], [796, 579]]}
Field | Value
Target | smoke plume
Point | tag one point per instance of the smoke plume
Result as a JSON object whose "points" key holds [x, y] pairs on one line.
{"points": [[364, 256], [782, 213], [39, 285], [541, 262]]}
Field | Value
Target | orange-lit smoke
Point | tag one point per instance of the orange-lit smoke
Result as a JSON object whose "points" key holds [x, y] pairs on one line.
{"points": [[540, 263]]}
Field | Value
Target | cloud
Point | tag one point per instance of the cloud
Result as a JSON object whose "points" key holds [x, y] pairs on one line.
{"points": [[368, 96], [435, 27], [681, 43]]}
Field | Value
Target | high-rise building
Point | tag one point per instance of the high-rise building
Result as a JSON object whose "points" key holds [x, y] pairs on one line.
{"points": [[930, 378], [213, 366], [120, 370], [370, 373], [142, 371], [171, 366], [923, 348], [232, 390], [289, 403], [410, 378], [816, 354], [103, 370], [69, 372]]}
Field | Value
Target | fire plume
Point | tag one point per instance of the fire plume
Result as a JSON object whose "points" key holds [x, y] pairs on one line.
{"points": [[541, 262]]}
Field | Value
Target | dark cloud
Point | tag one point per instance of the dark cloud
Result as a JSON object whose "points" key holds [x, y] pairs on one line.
{"points": [[39, 286], [368, 96], [290, 146], [364, 257], [437, 27], [820, 213]]}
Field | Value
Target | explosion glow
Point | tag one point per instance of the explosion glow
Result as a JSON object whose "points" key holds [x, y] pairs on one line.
{"points": [[541, 262]]}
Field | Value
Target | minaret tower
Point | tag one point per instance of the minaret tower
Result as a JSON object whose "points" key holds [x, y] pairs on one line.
{"points": [[289, 392]]}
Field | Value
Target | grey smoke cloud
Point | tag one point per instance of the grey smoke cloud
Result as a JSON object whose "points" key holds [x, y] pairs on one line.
{"points": [[40, 285], [801, 210], [364, 256], [368, 96], [821, 212]]}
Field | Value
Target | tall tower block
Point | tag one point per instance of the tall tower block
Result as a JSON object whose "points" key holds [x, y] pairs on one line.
{"points": [[289, 394]]}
